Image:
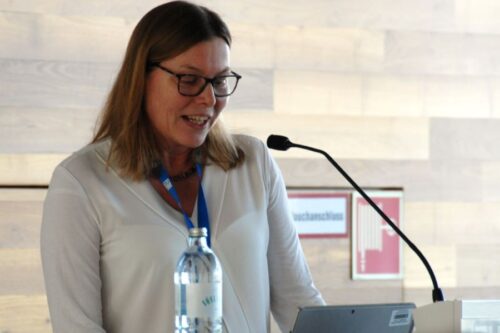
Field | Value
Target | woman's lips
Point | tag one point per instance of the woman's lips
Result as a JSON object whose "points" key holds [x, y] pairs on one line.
{"points": [[197, 120]]}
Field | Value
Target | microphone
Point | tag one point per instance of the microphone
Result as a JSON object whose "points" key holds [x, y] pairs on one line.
{"points": [[279, 142]]}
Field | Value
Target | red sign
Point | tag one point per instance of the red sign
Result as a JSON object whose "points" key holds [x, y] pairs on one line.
{"points": [[376, 248]]}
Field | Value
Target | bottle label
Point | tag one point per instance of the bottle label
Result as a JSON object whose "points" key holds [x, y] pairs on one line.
{"points": [[204, 300]]}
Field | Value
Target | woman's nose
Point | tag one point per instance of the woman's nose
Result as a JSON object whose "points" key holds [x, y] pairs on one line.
{"points": [[207, 95]]}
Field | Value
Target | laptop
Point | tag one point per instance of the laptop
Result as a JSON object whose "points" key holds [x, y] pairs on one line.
{"points": [[366, 318]]}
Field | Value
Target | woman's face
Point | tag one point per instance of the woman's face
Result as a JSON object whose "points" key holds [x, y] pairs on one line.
{"points": [[182, 123]]}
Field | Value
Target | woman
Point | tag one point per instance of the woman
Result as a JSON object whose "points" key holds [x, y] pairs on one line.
{"points": [[112, 233]]}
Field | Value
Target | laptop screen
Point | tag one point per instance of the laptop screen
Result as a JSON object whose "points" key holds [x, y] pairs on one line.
{"points": [[366, 318]]}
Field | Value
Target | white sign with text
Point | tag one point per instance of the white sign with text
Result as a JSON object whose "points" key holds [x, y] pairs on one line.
{"points": [[320, 213]]}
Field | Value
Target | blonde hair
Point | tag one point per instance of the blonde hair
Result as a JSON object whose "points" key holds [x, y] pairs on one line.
{"points": [[164, 32]]}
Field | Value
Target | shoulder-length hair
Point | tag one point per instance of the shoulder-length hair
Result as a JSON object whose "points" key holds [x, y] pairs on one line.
{"points": [[164, 32]]}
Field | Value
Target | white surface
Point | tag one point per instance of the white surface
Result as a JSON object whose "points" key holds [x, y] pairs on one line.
{"points": [[461, 316]]}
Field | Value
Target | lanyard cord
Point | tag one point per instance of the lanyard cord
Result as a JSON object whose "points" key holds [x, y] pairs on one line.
{"points": [[203, 220]]}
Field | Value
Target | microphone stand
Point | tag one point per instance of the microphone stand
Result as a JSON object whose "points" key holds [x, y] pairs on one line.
{"points": [[437, 293]]}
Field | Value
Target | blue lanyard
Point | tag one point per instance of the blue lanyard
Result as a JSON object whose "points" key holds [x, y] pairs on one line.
{"points": [[203, 221]]}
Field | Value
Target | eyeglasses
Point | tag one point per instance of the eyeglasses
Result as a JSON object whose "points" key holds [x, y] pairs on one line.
{"points": [[193, 85]]}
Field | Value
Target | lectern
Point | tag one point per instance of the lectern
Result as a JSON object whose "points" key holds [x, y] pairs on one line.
{"points": [[458, 316]]}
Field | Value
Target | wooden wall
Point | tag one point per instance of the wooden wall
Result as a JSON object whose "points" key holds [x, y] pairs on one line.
{"points": [[403, 93]]}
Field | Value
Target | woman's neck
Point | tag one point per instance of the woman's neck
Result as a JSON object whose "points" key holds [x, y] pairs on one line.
{"points": [[177, 162]]}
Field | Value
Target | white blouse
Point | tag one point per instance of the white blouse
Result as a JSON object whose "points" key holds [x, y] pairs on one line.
{"points": [[110, 246]]}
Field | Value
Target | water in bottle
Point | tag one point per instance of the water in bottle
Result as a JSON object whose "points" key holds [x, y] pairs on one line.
{"points": [[198, 287]]}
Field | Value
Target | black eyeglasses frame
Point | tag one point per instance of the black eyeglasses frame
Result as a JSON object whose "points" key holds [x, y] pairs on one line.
{"points": [[207, 81]]}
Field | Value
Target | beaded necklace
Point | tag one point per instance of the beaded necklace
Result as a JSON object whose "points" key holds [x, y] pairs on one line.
{"points": [[185, 175]]}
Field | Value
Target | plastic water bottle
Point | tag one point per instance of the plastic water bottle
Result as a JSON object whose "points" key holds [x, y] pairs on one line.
{"points": [[198, 287]]}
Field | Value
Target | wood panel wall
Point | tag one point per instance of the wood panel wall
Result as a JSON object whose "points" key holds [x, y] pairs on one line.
{"points": [[404, 94]]}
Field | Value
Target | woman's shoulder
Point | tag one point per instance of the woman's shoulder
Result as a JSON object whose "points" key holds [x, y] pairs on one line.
{"points": [[87, 157], [249, 144], [255, 150]]}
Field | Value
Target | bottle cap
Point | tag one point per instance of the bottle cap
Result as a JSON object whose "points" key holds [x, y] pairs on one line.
{"points": [[198, 232]]}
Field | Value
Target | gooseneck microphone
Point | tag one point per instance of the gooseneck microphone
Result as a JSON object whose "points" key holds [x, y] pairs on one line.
{"points": [[280, 142]]}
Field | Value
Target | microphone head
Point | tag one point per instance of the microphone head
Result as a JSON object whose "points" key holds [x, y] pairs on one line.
{"points": [[278, 142]]}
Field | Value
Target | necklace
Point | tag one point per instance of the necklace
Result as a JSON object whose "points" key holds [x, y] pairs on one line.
{"points": [[185, 175]]}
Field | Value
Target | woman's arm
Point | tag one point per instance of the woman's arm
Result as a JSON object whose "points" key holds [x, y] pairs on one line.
{"points": [[290, 279], [70, 247]]}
